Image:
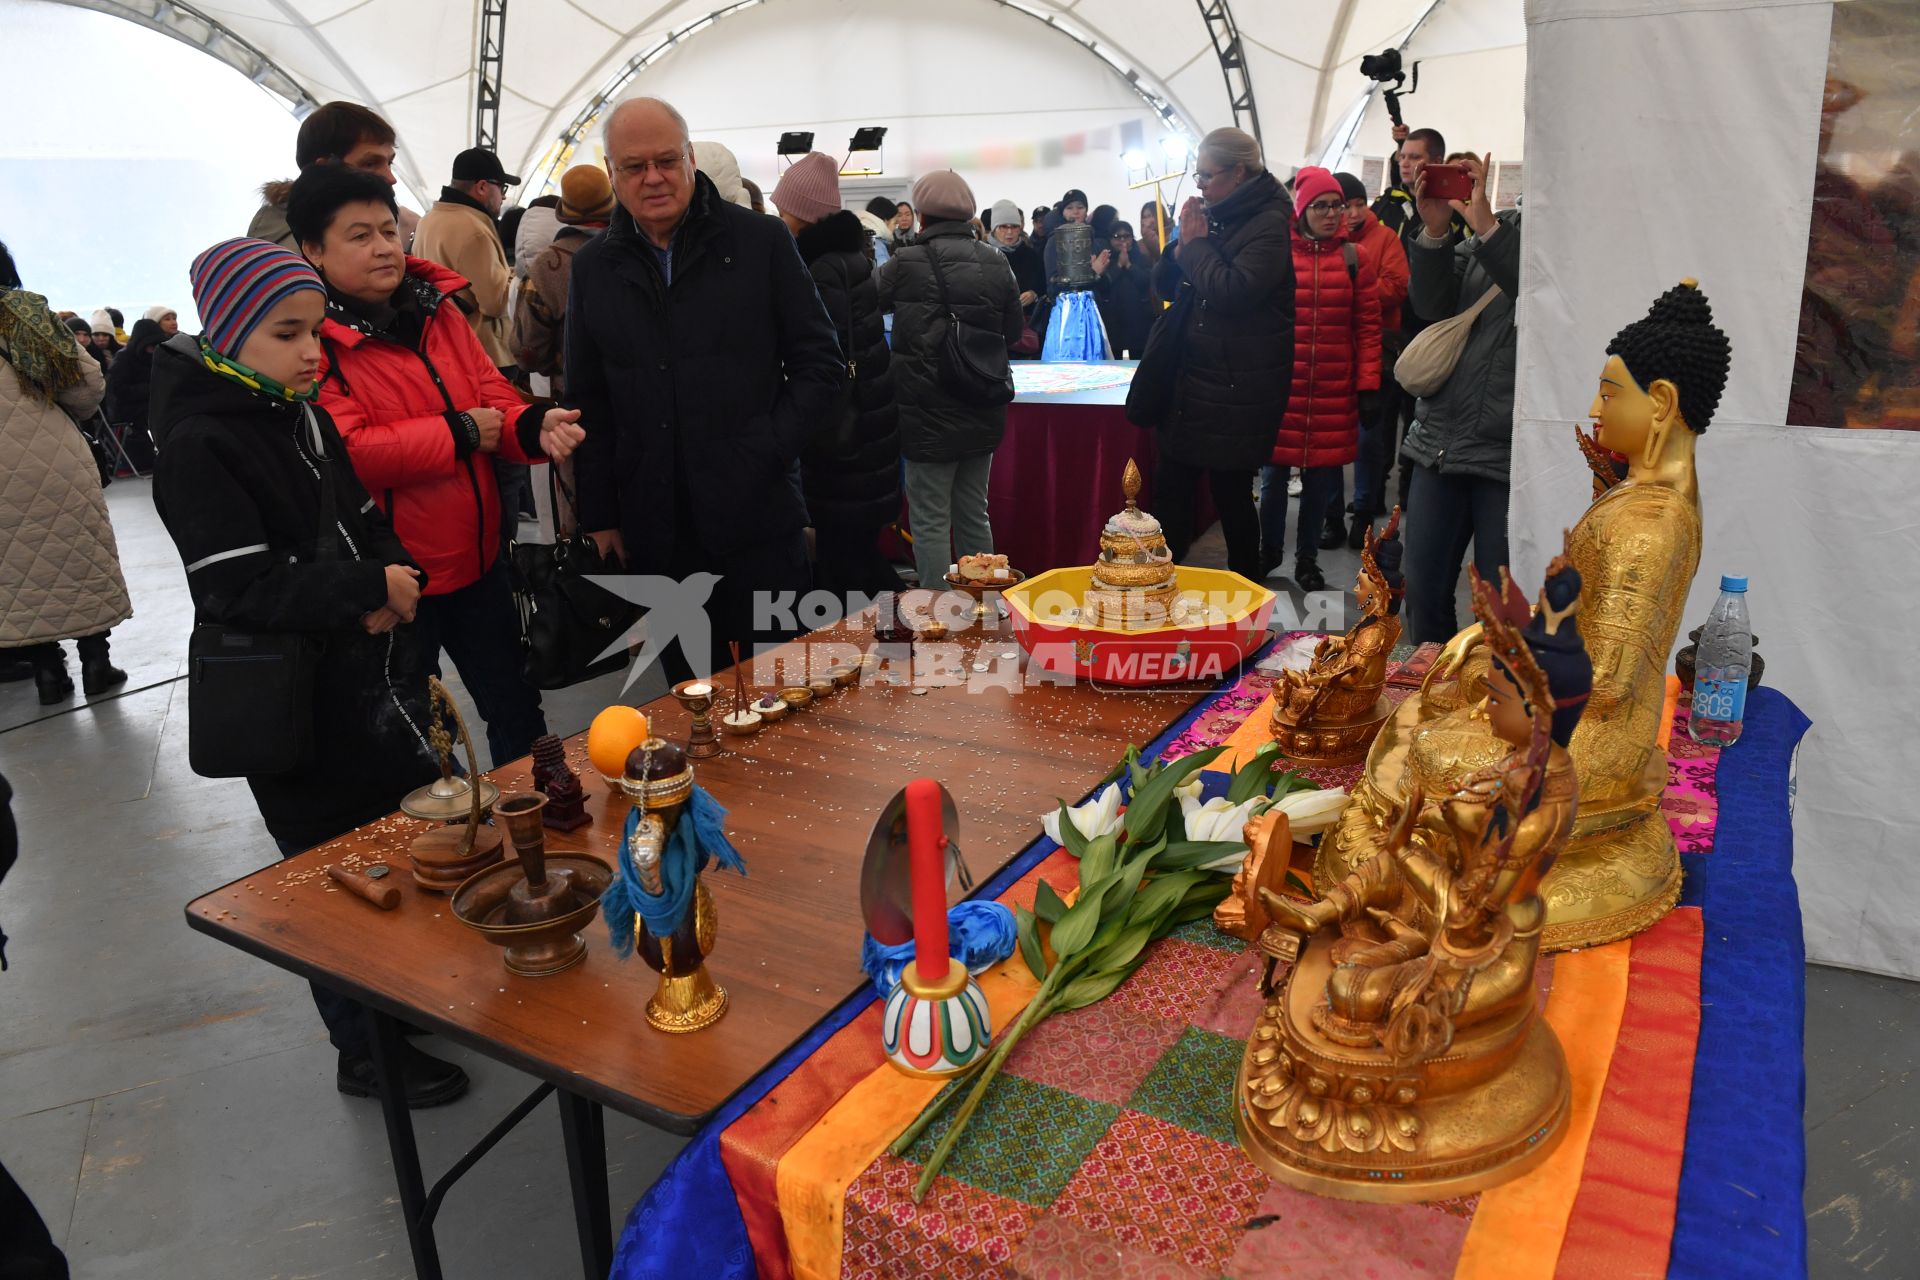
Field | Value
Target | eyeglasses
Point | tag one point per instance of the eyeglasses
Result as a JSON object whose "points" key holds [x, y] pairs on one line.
{"points": [[1321, 206], [638, 168]]}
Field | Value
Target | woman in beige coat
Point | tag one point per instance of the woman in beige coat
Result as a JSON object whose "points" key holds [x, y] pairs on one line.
{"points": [[59, 568]]}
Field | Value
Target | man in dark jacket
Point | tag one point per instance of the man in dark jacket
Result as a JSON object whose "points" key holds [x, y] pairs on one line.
{"points": [[704, 365], [1397, 210], [1461, 439], [851, 471], [1234, 260], [948, 443]]}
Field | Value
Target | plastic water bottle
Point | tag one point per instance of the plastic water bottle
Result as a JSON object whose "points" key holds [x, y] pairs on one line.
{"points": [[1724, 655]]}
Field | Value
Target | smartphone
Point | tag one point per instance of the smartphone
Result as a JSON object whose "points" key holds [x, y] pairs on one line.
{"points": [[1448, 182]]}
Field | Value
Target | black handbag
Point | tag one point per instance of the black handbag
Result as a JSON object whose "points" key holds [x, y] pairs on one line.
{"points": [[566, 622], [250, 693], [972, 362], [1150, 394]]}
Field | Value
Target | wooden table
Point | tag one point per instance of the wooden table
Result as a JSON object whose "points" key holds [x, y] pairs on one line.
{"points": [[802, 798]]}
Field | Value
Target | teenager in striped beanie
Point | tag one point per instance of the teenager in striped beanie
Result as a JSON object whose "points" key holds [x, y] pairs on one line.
{"points": [[261, 308], [278, 536]]}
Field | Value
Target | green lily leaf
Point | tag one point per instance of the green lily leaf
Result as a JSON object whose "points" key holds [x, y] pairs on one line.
{"points": [[1189, 855], [1076, 928], [1162, 894], [1090, 989], [1175, 829], [1128, 762], [1097, 863], [1120, 954], [1070, 837], [1027, 927], [1200, 901], [1047, 904], [1251, 778], [1146, 811], [1291, 781]]}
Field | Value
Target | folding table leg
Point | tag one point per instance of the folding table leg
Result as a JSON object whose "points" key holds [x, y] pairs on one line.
{"points": [[400, 1145], [584, 1125]]}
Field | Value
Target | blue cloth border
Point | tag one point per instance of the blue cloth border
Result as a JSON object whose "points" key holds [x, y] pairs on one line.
{"points": [[1744, 1172], [688, 1223]]}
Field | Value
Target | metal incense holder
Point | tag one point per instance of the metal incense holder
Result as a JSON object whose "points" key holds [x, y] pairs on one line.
{"points": [[445, 856], [537, 907]]}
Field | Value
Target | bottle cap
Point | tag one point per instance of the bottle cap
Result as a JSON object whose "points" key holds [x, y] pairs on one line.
{"points": [[1733, 582]]}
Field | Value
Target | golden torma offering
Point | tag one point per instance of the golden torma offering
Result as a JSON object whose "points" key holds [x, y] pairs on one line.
{"points": [[1331, 712], [1404, 1057], [1636, 549]]}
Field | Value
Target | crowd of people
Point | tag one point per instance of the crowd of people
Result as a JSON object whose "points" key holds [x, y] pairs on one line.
{"points": [[343, 451]]}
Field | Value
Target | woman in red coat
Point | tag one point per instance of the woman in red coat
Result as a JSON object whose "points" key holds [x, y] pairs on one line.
{"points": [[421, 408], [1336, 361]]}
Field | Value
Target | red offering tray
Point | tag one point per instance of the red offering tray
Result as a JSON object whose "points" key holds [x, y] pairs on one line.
{"points": [[1046, 611]]}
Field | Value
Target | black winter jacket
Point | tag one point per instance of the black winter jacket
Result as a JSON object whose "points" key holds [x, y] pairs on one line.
{"points": [[698, 396], [130, 380], [1466, 427], [1236, 367], [238, 487], [852, 476], [935, 427]]}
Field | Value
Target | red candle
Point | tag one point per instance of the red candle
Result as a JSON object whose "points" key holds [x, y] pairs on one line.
{"points": [[927, 842]]}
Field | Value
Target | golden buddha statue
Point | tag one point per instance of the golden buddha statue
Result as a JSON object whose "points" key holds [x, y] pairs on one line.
{"points": [[1330, 713], [1404, 1058], [1636, 548], [1133, 586]]}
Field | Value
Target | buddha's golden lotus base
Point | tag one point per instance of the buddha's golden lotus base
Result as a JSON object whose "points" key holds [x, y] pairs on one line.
{"points": [[1330, 742], [1352, 1124]]}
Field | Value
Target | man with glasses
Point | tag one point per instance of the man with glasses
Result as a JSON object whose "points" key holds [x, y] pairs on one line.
{"points": [[703, 362]]}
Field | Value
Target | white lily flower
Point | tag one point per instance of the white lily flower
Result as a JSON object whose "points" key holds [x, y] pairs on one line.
{"points": [[1311, 812], [1218, 820], [1097, 817], [1191, 787]]}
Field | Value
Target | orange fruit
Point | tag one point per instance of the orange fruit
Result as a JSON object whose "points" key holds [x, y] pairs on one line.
{"points": [[613, 735]]}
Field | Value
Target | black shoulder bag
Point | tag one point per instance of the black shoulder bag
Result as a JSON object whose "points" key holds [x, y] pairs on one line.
{"points": [[250, 693], [972, 361], [566, 622]]}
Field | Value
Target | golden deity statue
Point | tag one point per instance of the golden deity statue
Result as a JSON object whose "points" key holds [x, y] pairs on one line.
{"points": [[1331, 712], [1636, 548], [1404, 1056], [1134, 585]]}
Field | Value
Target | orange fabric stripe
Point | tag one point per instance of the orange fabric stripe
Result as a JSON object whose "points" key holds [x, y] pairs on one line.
{"points": [[1254, 732], [751, 1147], [1518, 1228], [812, 1178], [1622, 1223]]}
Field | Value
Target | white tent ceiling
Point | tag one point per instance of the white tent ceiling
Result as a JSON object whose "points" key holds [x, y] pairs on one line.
{"points": [[415, 61]]}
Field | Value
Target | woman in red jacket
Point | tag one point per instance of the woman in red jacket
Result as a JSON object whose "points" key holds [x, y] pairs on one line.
{"points": [[415, 398], [1336, 362]]}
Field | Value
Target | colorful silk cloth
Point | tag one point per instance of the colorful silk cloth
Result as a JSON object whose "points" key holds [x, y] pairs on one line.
{"points": [[1106, 1148]]}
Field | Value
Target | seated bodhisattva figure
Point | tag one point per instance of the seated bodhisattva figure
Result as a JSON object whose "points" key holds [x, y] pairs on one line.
{"points": [[1374, 1072]]}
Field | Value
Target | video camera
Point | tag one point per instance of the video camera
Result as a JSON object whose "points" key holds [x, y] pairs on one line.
{"points": [[1386, 67]]}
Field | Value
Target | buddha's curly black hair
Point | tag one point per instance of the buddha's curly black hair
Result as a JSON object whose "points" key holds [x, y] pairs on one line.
{"points": [[1678, 341]]}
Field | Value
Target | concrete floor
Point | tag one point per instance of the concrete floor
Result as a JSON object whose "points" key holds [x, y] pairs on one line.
{"points": [[168, 1102]]}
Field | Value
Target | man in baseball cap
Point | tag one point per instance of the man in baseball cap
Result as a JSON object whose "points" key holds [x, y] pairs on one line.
{"points": [[461, 233]]}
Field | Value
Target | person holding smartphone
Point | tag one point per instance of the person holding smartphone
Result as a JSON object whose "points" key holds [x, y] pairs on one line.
{"points": [[1461, 440]]}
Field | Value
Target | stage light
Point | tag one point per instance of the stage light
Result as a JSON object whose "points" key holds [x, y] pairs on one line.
{"points": [[1175, 146], [1134, 159], [795, 143], [865, 142]]}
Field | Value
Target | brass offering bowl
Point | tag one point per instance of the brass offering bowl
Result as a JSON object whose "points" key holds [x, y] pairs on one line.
{"points": [[545, 946], [770, 711], [744, 724], [844, 674], [821, 687], [798, 696]]}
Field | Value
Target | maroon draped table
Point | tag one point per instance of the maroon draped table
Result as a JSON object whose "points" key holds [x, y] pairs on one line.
{"points": [[1057, 474]]}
